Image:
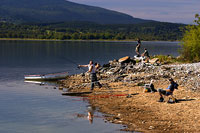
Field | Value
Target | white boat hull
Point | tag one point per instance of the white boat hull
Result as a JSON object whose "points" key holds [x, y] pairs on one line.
{"points": [[55, 76]]}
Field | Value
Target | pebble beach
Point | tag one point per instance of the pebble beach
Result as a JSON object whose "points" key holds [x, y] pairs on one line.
{"points": [[123, 100]]}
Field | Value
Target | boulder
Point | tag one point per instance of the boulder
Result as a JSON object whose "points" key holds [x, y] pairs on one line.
{"points": [[125, 59], [154, 60]]}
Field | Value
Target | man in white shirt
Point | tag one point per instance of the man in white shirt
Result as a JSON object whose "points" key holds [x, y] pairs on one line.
{"points": [[92, 70]]}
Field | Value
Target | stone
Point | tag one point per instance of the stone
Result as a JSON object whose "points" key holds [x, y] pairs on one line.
{"points": [[154, 60], [151, 127], [124, 59], [106, 65], [127, 70]]}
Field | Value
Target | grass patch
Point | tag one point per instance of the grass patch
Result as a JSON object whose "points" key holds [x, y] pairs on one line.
{"points": [[168, 59]]}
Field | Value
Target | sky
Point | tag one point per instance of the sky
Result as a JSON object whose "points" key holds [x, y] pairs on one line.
{"points": [[176, 11]]}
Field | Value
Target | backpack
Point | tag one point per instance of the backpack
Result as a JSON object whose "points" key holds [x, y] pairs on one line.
{"points": [[152, 88], [176, 86]]}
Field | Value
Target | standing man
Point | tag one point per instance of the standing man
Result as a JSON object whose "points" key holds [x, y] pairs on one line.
{"points": [[92, 70], [137, 49]]}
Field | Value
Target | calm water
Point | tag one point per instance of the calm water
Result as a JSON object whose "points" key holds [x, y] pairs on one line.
{"points": [[26, 107]]}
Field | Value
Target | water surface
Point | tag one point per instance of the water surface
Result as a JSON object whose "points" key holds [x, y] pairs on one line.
{"points": [[35, 108]]}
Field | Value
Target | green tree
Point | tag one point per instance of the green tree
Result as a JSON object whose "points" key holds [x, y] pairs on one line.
{"points": [[191, 42], [75, 36]]}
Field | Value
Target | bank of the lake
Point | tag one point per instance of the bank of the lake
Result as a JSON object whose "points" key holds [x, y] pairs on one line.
{"points": [[123, 100], [74, 40]]}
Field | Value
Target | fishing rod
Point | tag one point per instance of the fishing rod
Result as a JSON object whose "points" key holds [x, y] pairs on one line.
{"points": [[73, 62]]}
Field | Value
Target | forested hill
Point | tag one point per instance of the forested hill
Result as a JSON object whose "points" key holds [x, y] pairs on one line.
{"points": [[48, 11], [93, 31]]}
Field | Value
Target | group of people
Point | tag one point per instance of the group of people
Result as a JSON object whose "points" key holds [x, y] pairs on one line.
{"points": [[145, 54], [92, 69]]}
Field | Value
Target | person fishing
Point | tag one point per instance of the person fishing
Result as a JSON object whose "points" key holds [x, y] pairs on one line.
{"points": [[92, 70], [137, 49]]}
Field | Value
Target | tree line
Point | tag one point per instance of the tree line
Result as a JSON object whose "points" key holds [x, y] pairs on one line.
{"points": [[92, 31]]}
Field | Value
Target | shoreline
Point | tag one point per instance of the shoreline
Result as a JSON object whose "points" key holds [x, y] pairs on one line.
{"points": [[123, 101], [19, 39]]}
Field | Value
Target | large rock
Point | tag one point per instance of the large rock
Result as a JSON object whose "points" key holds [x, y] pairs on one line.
{"points": [[154, 60], [125, 59]]}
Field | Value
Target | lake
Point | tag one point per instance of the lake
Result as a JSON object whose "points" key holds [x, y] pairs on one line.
{"points": [[27, 107]]}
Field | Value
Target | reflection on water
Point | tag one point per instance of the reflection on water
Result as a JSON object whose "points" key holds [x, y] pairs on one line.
{"points": [[40, 107], [91, 114], [49, 83]]}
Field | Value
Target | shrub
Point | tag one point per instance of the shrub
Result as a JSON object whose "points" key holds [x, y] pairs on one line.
{"points": [[166, 59], [190, 43]]}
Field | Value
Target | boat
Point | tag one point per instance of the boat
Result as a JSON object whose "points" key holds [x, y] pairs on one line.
{"points": [[55, 76]]}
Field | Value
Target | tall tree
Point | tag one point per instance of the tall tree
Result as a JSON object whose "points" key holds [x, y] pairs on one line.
{"points": [[191, 41]]}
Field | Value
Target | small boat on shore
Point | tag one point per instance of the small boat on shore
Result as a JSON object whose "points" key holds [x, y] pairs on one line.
{"points": [[55, 76]]}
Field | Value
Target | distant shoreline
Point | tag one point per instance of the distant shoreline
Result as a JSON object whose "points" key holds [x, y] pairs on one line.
{"points": [[29, 39]]}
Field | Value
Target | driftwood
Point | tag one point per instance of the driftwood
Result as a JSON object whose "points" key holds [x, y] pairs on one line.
{"points": [[76, 93]]}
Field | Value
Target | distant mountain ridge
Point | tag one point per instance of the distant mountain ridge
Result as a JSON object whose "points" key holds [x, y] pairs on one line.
{"points": [[50, 11]]}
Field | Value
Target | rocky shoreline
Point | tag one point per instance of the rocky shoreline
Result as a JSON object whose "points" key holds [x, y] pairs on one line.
{"points": [[123, 100]]}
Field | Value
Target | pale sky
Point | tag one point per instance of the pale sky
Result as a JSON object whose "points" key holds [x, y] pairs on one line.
{"points": [[178, 11]]}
